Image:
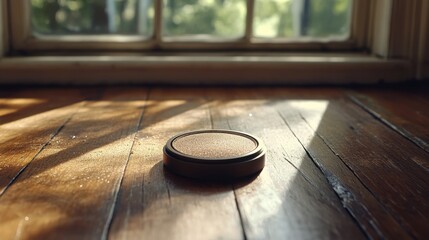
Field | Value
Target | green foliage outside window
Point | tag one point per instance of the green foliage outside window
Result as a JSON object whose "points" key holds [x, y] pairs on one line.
{"points": [[218, 18]]}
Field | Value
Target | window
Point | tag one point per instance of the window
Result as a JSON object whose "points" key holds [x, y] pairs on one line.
{"points": [[81, 17], [256, 41], [185, 24]]}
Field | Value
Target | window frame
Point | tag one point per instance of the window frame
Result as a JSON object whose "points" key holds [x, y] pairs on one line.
{"points": [[385, 52], [24, 40], [423, 49], [4, 37]]}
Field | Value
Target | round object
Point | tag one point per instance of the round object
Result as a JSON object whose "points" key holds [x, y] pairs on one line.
{"points": [[214, 154]]}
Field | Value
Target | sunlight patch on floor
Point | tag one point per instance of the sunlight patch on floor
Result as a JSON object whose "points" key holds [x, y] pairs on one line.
{"points": [[315, 108], [9, 106]]}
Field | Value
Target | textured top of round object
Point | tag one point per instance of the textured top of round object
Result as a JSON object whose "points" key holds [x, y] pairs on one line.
{"points": [[214, 145]]}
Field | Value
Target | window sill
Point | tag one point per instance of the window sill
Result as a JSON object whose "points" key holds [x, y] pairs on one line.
{"points": [[182, 69]]}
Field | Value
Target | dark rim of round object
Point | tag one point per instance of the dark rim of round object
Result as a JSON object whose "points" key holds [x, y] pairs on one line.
{"points": [[185, 157], [198, 167]]}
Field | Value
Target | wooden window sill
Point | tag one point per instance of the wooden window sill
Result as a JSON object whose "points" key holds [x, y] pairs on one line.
{"points": [[229, 69]]}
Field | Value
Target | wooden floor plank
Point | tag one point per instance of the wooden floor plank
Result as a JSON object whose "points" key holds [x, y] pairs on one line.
{"points": [[29, 118], [290, 199], [69, 189], [385, 162], [340, 164], [405, 112], [156, 204], [359, 201]]}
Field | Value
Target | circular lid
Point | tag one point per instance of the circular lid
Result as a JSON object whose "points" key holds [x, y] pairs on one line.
{"points": [[208, 153]]}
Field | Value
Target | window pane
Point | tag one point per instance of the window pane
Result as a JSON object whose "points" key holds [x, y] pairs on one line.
{"points": [[58, 17], [218, 18], [296, 19]]}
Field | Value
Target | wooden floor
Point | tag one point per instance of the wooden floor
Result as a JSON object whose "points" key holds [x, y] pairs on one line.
{"points": [[87, 164]]}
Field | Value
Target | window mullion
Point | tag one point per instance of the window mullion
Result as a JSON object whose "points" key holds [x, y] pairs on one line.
{"points": [[22, 37], [249, 20], [157, 34]]}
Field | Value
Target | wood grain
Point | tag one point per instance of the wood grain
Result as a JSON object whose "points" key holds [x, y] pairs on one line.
{"points": [[87, 164], [290, 199], [386, 163], [29, 118], [405, 112], [69, 189], [355, 197], [156, 204]]}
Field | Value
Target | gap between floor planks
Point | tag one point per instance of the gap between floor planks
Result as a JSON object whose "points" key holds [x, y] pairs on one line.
{"points": [[130, 154], [402, 118], [255, 115], [53, 155], [41, 104], [390, 164], [136, 225]]}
